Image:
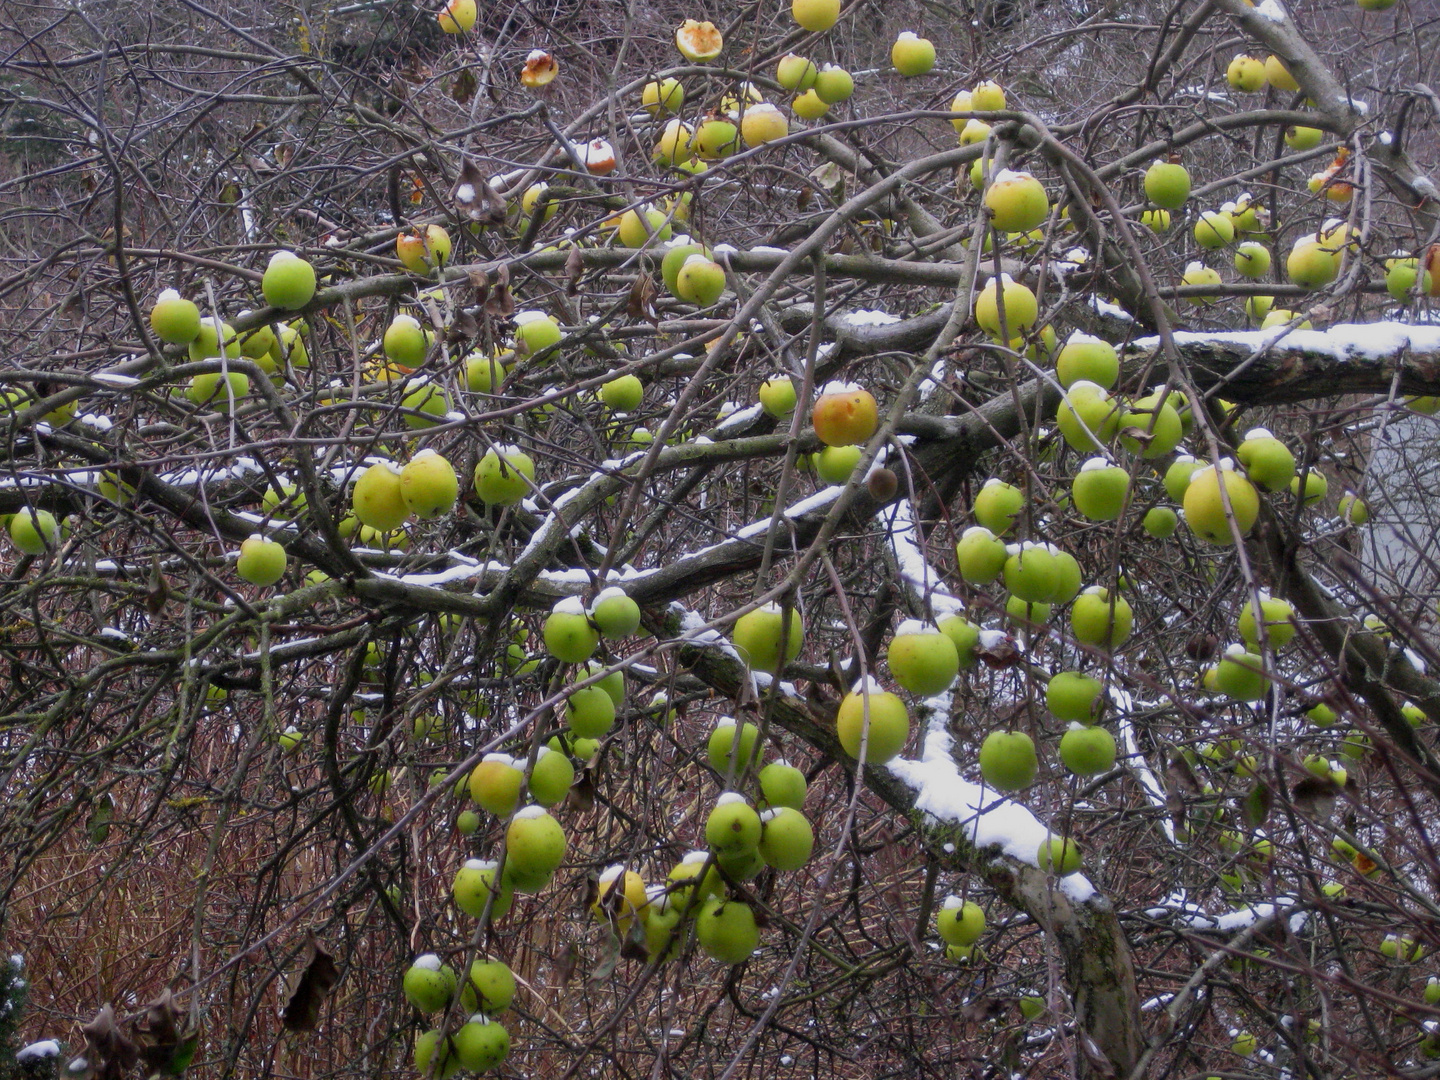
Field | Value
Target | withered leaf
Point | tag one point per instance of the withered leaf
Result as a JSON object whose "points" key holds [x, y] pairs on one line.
{"points": [[464, 326], [317, 976], [500, 304], [480, 282], [474, 198], [464, 87], [1003, 654], [109, 1053], [574, 271], [609, 959], [581, 796], [1182, 776], [166, 1046], [641, 304], [566, 963], [158, 591], [1255, 807], [1315, 797]]}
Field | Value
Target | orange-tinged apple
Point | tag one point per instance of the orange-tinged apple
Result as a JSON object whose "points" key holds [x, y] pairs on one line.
{"points": [[845, 415]]}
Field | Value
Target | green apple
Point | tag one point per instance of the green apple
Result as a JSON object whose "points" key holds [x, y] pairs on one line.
{"points": [[1161, 522], [980, 555], [912, 55], [219, 391], [1252, 259], [569, 634], [965, 636], [1088, 417], [960, 922], [777, 396], [481, 1044], [1059, 856], [1157, 220], [552, 777], [833, 85], [922, 659], [663, 96], [1099, 490], [1151, 427], [1024, 612], [490, 988], [782, 784], [836, 464], [1204, 507], [1017, 203], [1087, 751], [474, 882], [424, 404], [1008, 761], [613, 683], [1313, 490], [405, 342], [700, 281], [1241, 674], [34, 531], [377, 500], [534, 848], [998, 505], [429, 984], [535, 331], [429, 486], [642, 227], [673, 146], [1030, 572], [206, 344], [623, 394], [871, 715], [716, 138], [1311, 265], [1178, 474], [727, 931], [615, 614], [503, 477], [1088, 358], [262, 561], [288, 281], [589, 712], [427, 1046], [1022, 310], [757, 637], [1352, 509], [1197, 273], [1167, 184], [786, 838], [1301, 138], [1093, 623], [1267, 460], [1278, 617], [733, 827], [722, 740], [1246, 74], [175, 320], [494, 784], [1073, 697], [1214, 230], [1400, 275]]}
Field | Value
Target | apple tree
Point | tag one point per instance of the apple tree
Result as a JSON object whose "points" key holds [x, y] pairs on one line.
{"points": [[812, 539]]}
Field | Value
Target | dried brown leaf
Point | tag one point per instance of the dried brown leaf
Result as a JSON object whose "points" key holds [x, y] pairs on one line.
{"points": [[317, 976]]}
